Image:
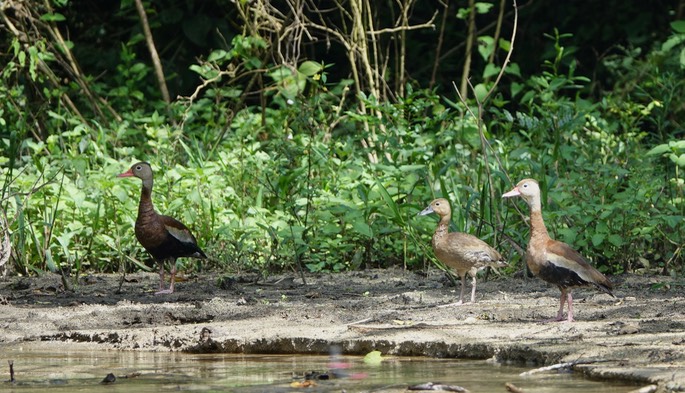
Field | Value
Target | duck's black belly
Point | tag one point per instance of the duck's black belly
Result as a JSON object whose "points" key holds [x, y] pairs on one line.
{"points": [[172, 248], [561, 276]]}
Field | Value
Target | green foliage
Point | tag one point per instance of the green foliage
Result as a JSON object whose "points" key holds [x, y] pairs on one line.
{"points": [[275, 165], [601, 193]]}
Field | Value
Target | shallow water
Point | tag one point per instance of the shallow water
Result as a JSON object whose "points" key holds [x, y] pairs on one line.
{"points": [[82, 371]]}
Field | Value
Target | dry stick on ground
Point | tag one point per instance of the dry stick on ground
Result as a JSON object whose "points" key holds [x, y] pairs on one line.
{"points": [[6, 247], [157, 64], [646, 389], [562, 365], [11, 363], [513, 388]]}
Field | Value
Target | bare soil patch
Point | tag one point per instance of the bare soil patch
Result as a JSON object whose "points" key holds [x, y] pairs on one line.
{"points": [[638, 336]]}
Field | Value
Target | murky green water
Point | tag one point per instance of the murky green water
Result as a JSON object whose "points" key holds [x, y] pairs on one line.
{"points": [[82, 371]]}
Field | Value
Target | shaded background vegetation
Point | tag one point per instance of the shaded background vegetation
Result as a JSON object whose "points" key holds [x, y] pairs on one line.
{"points": [[288, 134]]}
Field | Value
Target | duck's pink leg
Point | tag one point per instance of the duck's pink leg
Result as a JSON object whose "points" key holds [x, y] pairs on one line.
{"points": [[163, 291], [562, 300], [161, 275], [570, 307], [560, 313], [473, 289]]}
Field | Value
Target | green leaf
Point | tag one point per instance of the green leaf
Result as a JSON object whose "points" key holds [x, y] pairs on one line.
{"points": [[331, 229], [568, 235], [218, 54], [49, 261], [480, 90], [490, 70], [53, 17], [659, 149], [505, 45], [362, 228], [672, 42], [483, 8], [310, 68], [486, 45], [463, 13], [513, 69], [615, 240], [598, 239], [373, 358], [280, 74], [515, 88], [391, 203], [678, 26]]}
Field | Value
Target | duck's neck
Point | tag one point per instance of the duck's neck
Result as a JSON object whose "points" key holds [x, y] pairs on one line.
{"points": [[442, 229], [145, 206], [537, 225]]}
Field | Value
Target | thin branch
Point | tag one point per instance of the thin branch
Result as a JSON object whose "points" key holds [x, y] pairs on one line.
{"points": [[438, 49], [508, 58], [470, 39], [157, 64], [485, 144], [428, 25]]}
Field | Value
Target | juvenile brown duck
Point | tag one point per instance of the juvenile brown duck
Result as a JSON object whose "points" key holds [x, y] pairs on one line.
{"points": [[462, 252]]}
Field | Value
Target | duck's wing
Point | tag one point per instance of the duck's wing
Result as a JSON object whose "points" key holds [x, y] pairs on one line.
{"points": [[181, 233], [566, 259]]}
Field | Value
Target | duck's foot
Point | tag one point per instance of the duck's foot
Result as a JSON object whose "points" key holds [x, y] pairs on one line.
{"points": [[557, 319], [164, 292], [459, 303]]}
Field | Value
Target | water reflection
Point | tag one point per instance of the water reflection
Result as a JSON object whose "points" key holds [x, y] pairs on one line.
{"points": [[83, 370]]}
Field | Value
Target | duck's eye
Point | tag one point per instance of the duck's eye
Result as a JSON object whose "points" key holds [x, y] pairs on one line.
{"points": [[139, 167], [525, 185]]}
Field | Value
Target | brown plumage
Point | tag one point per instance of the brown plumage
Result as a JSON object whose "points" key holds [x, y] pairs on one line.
{"points": [[164, 237], [554, 261], [460, 251]]}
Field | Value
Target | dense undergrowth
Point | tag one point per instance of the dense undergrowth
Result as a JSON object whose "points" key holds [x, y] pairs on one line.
{"points": [[302, 178]]}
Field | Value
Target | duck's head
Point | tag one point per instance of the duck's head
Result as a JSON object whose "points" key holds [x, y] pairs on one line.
{"points": [[439, 206], [141, 170], [527, 189]]}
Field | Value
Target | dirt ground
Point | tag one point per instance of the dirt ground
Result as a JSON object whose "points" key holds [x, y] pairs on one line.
{"points": [[638, 336]]}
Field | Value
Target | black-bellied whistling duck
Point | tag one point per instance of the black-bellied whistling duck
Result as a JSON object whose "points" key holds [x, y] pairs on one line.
{"points": [[554, 261], [164, 237], [462, 252]]}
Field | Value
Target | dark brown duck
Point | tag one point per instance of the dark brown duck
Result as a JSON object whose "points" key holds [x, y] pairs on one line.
{"points": [[164, 237]]}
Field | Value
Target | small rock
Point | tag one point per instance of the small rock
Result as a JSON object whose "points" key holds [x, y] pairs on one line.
{"points": [[110, 378]]}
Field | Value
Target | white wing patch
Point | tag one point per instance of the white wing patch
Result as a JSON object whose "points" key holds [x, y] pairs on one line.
{"points": [[180, 234], [568, 264]]}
